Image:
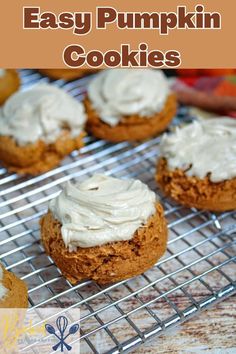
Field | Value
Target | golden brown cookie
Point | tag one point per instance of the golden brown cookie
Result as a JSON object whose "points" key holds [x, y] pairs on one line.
{"points": [[39, 157], [108, 263], [9, 83], [17, 296], [196, 192], [131, 128], [64, 74]]}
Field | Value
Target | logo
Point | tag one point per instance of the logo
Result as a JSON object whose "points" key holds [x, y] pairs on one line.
{"points": [[62, 325]]}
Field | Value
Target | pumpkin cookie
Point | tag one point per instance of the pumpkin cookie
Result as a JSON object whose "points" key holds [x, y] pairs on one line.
{"points": [[129, 104], [13, 291], [197, 167], [38, 128], [65, 74], [9, 83], [109, 230]]}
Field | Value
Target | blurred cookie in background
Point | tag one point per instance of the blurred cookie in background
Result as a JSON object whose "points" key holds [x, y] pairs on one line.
{"points": [[9, 83], [65, 74]]}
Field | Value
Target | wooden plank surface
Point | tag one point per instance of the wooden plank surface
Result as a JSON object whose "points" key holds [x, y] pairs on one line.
{"points": [[213, 331]]}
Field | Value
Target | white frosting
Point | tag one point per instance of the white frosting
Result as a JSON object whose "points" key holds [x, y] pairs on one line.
{"points": [[3, 290], [116, 93], [41, 113], [102, 210], [202, 148], [2, 72]]}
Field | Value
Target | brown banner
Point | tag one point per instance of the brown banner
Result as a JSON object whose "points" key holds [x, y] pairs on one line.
{"points": [[74, 22]]}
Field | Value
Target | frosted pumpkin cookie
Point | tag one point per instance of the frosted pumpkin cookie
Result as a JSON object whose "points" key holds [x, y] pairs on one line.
{"points": [[38, 128], [105, 229], [64, 74], [197, 167], [129, 104], [13, 291], [9, 83]]}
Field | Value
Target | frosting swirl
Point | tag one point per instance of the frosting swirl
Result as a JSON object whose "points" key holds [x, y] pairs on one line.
{"points": [[3, 290], [203, 148], [116, 93], [41, 113], [2, 72], [101, 210]]}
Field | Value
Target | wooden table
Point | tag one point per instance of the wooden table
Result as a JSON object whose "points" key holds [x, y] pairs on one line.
{"points": [[213, 331]]}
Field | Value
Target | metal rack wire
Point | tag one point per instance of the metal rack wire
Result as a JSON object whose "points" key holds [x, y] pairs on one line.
{"points": [[198, 269]]}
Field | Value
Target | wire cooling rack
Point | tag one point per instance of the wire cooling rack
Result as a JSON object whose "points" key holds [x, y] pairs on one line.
{"points": [[197, 270]]}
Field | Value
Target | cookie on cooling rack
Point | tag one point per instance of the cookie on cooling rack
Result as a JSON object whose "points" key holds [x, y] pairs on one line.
{"points": [[9, 83], [65, 74], [38, 128], [197, 167], [13, 291], [129, 104], [105, 229]]}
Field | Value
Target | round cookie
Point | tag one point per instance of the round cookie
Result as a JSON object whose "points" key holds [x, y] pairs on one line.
{"points": [[131, 128], [15, 291], [204, 175], [102, 235], [39, 157], [65, 74], [38, 128], [9, 83], [195, 192], [129, 104], [109, 263]]}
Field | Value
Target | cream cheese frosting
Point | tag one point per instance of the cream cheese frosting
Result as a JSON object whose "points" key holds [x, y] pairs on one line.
{"points": [[116, 93], [205, 147], [3, 290], [2, 72], [101, 210], [41, 113]]}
